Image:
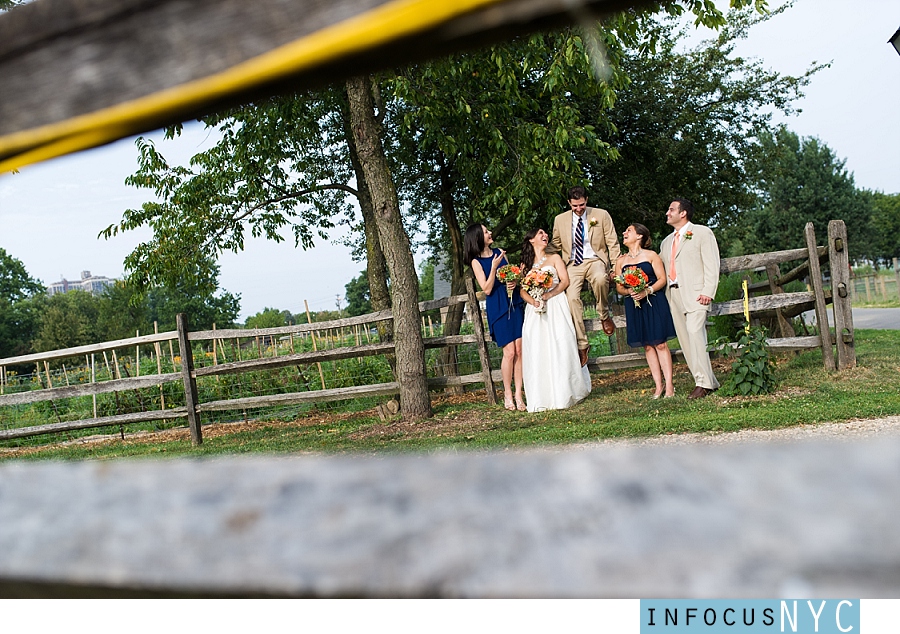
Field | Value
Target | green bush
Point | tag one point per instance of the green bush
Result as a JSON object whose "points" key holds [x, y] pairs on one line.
{"points": [[752, 370]]}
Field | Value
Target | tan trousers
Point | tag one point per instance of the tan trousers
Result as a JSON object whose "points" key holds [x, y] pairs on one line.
{"points": [[691, 330], [595, 272]]}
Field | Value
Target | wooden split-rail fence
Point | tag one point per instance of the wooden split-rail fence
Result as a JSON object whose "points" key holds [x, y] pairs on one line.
{"points": [[782, 305]]}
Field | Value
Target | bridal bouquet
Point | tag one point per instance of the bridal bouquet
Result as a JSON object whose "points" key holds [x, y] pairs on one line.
{"points": [[634, 279], [535, 283], [509, 273]]}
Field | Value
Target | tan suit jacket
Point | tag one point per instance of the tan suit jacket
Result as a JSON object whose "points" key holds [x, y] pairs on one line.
{"points": [[602, 236], [696, 263]]}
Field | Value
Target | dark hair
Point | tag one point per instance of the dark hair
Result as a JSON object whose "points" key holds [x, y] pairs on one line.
{"points": [[686, 206], [644, 232], [577, 192], [473, 243], [528, 250]]}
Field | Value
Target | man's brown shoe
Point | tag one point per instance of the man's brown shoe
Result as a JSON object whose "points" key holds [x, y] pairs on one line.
{"points": [[583, 356], [609, 326], [699, 392]]}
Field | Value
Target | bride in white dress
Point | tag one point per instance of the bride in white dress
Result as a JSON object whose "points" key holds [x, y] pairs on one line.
{"points": [[552, 372]]}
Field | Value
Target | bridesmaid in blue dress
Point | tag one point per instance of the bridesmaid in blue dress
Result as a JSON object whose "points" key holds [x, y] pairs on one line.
{"points": [[650, 324], [504, 317]]}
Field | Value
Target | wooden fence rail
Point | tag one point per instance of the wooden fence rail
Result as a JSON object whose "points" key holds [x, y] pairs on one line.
{"points": [[784, 305]]}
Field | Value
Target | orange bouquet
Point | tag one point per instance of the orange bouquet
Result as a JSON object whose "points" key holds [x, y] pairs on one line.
{"points": [[509, 273], [634, 279], [535, 283]]}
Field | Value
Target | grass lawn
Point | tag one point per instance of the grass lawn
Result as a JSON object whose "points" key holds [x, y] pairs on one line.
{"points": [[619, 406]]}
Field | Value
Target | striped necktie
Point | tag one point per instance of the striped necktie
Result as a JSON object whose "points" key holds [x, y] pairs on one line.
{"points": [[578, 253]]}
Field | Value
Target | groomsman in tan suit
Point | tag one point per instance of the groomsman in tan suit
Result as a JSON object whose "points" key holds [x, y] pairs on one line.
{"points": [[690, 256], [587, 240]]}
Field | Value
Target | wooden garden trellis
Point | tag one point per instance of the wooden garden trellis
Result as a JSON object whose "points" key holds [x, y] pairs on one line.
{"points": [[783, 305]]}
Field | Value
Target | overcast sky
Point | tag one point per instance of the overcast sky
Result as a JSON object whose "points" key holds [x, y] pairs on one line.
{"points": [[50, 214]]}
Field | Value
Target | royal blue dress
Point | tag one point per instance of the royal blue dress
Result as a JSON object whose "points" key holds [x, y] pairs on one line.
{"points": [[651, 324], [504, 322]]}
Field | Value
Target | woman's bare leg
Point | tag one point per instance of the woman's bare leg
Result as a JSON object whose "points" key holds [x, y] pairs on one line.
{"points": [[517, 375], [507, 365], [665, 363], [653, 362]]}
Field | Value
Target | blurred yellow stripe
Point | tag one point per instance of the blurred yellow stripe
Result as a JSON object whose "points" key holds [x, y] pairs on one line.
{"points": [[385, 23]]}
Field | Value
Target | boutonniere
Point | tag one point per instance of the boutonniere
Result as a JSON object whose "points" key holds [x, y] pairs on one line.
{"points": [[592, 222], [688, 235]]}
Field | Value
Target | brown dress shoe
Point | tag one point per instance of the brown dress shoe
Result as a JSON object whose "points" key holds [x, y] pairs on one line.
{"points": [[609, 326], [699, 392], [583, 356]]}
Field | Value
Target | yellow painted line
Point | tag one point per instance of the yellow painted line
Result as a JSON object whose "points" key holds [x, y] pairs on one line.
{"points": [[383, 24]]}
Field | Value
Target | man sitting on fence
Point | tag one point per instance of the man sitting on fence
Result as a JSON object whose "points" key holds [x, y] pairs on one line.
{"points": [[691, 258]]}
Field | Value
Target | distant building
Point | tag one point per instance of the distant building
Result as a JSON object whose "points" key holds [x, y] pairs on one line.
{"points": [[93, 284], [442, 274]]}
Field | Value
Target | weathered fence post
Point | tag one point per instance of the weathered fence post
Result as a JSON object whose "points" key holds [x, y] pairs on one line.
{"points": [[815, 280], [773, 271], [839, 262], [187, 375], [897, 276], [478, 324]]}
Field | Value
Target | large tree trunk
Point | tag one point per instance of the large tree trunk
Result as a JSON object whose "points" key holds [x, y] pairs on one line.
{"points": [[453, 322], [376, 270], [410, 348]]}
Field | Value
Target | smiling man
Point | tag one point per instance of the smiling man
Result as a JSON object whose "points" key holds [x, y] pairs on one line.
{"points": [[690, 255], [587, 240]]}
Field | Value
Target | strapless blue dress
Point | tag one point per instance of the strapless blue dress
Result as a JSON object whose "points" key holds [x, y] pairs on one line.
{"points": [[651, 324]]}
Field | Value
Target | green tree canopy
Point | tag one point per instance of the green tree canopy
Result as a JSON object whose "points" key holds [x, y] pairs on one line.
{"points": [[801, 180], [268, 318], [687, 125], [357, 294], [68, 320], [18, 315], [15, 282], [885, 232]]}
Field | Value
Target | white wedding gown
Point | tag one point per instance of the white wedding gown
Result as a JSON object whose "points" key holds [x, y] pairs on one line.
{"points": [[551, 370]]}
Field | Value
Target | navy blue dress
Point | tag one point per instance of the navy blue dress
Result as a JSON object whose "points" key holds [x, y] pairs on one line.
{"points": [[651, 324], [504, 322]]}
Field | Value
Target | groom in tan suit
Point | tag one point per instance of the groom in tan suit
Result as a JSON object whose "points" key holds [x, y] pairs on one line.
{"points": [[587, 240], [690, 256]]}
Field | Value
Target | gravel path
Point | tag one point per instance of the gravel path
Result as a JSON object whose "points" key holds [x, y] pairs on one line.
{"points": [[850, 430]]}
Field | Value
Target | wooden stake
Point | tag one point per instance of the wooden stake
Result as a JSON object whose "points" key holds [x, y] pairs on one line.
{"points": [[318, 365], [162, 394], [106, 361], [66, 374], [47, 370], [116, 365], [137, 355], [94, 380]]}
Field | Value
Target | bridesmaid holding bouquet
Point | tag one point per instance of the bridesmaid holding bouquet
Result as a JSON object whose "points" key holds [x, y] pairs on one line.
{"points": [[647, 316], [505, 308]]}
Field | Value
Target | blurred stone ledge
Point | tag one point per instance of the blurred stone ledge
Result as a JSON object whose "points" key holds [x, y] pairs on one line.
{"points": [[741, 520]]}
